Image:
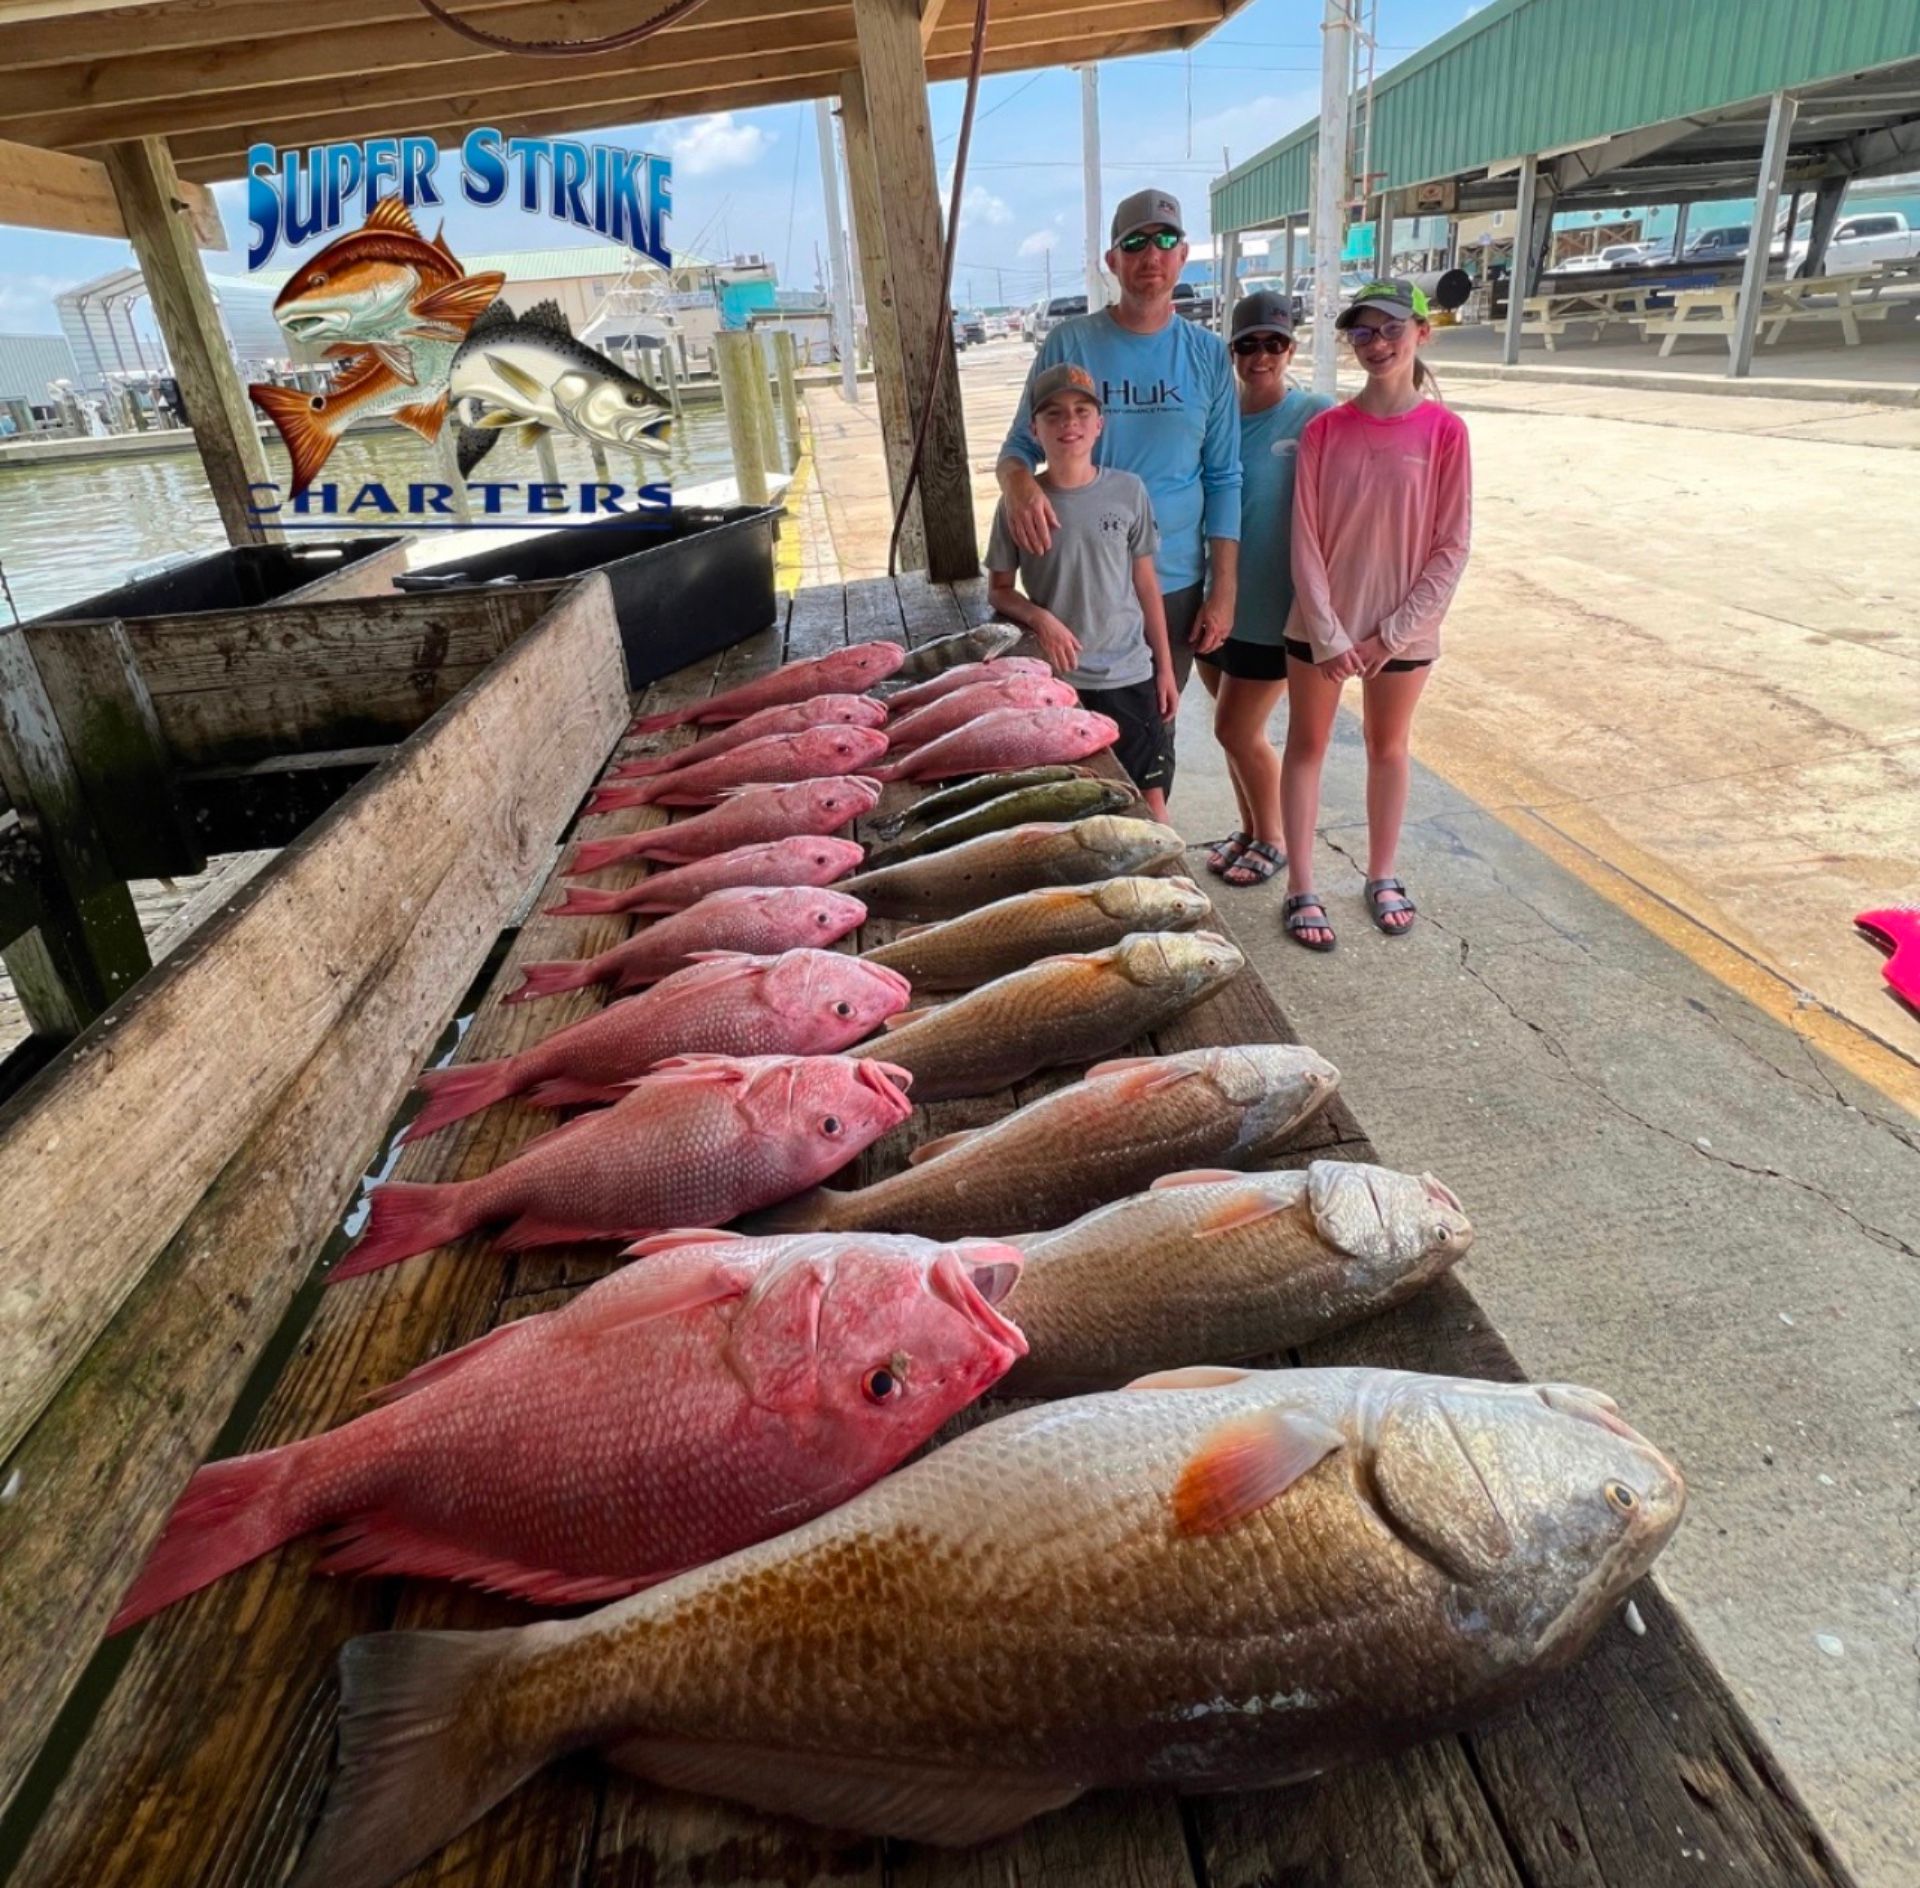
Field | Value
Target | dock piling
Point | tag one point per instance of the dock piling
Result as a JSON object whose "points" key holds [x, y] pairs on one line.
{"points": [[743, 391]]}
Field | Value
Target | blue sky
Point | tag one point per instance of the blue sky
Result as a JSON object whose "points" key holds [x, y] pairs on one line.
{"points": [[750, 181]]}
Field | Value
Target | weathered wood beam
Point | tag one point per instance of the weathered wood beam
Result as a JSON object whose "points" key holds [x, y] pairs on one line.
{"points": [[41, 189], [930, 12], [883, 325], [895, 75], [224, 424]]}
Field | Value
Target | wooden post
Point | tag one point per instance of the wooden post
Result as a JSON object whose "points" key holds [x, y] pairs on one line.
{"points": [[787, 380], [154, 205], [741, 386], [770, 450], [895, 127]]}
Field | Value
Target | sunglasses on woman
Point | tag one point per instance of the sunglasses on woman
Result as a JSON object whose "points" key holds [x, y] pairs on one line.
{"points": [[1362, 332], [1262, 344], [1136, 240]]}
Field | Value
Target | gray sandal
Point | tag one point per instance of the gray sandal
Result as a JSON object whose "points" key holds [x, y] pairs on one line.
{"points": [[1226, 852], [1259, 860], [1385, 898], [1297, 922]]}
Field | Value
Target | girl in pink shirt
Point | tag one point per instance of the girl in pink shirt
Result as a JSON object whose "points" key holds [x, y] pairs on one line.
{"points": [[1381, 513]]}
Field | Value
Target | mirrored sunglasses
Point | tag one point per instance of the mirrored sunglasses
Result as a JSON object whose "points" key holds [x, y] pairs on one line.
{"points": [[1262, 344], [1134, 241], [1362, 332]]}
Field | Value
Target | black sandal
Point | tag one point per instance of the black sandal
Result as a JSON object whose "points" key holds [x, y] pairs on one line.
{"points": [[1226, 851], [1259, 861], [1385, 898], [1297, 922]]}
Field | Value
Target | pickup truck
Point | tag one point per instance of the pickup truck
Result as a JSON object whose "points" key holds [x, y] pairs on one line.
{"points": [[1860, 240]]}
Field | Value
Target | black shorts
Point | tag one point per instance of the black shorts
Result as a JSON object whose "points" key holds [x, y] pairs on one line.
{"points": [[1142, 746], [1299, 652], [1249, 661]]}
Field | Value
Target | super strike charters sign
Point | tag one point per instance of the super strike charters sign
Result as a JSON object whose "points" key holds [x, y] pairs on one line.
{"points": [[413, 336]]}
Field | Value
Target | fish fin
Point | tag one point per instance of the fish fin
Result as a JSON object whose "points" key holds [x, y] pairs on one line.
{"points": [[438, 1369], [453, 1094], [398, 361], [391, 213], [522, 382], [471, 445], [1247, 1463], [1144, 1074], [530, 435], [573, 973], [462, 302], [614, 799], [1195, 1177], [546, 318], [497, 421], [583, 903], [943, 1144], [404, 1219], [374, 1543], [309, 444], [659, 1242], [908, 1016], [416, 1763], [531, 1229], [638, 1294], [595, 855], [231, 1513], [673, 718], [565, 1092], [1187, 1377], [498, 319], [919, 1802], [1120, 1063], [426, 420], [909, 930], [1248, 1210]]}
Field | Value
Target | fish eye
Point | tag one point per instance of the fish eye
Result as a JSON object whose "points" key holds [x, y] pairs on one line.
{"points": [[318, 279], [820, 917], [830, 1126], [1621, 1498], [880, 1385], [843, 1009]]}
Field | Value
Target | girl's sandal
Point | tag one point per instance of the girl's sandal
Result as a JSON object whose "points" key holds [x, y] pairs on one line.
{"points": [[1226, 852], [1258, 861], [1298, 923], [1386, 897]]}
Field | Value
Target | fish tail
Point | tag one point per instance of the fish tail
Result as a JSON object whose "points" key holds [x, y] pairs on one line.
{"points": [[641, 769], [570, 973], [309, 444], [617, 799], [406, 1218], [453, 1094], [420, 1754], [673, 718], [582, 903], [595, 855], [232, 1513]]}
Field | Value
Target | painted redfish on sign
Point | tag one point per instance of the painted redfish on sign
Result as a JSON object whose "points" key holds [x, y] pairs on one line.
{"points": [[1213, 1580], [717, 1391], [743, 816], [801, 1002], [758, 918], [696, 1142], [841, 672], [844, 711], [812, 754], [1006, 737], [778, 862]]}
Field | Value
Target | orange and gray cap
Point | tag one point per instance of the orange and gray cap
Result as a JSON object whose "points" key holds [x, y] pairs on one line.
{"points": [[1147, 209], [1063, 379], [1398, 297]]}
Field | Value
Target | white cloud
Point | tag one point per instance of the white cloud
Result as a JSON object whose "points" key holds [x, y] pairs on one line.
{"points": [[25, 295], [716, 143], [1039, 243], [980, 205]]}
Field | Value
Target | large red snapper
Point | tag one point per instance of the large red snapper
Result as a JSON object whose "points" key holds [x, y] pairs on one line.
{"points": [[757, 918], [1006, 737], [802, 1002], [905, 701], [940, 717], [843, 671], [823, 711], [778, 862], [811, 754], [697, 1141], [744, 816], [690, 1404]]}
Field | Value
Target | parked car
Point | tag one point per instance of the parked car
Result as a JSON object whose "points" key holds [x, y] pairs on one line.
{"points": [[1061, 308], [1861, 240], [959, 332], [1613, 256]]}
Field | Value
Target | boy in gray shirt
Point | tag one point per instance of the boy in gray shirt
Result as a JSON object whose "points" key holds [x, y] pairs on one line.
{"points": [[1093, 598]]}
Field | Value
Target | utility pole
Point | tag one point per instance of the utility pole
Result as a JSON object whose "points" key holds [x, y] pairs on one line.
{"points": [[1090, 183], [836, 252], [1047, 253], [1329, 193]]}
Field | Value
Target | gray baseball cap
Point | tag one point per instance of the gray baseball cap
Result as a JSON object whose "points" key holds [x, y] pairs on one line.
{"points": [[1147, 209], [1266, 311], [1066, 377]]}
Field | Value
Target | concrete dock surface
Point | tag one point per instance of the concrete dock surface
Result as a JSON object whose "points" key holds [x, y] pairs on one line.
{"points": [[1673, 747]]}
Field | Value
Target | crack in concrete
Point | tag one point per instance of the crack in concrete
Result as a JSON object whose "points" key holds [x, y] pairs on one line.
{"points": [[1561, 1054]]}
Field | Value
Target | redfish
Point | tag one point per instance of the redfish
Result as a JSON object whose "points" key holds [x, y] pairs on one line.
{"points": [[778, 862], [743, 816], [847, 711], [842, 671], [1007, 737], [935, 718], [812, 754]]}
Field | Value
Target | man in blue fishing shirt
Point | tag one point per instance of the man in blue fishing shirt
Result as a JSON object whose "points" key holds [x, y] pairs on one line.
{"points": [[1172, 419]]}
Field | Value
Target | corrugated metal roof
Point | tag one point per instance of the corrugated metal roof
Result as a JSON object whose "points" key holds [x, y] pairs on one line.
{"points": [[1542, 75], [28, 362]]}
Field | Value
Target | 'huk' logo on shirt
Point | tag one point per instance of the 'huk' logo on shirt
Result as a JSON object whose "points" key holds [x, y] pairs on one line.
{"points": [[1130, 394]]}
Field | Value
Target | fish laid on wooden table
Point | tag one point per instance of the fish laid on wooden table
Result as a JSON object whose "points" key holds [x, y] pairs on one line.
{"points": [[696, 1141], [1006, 738], [1056, 1013], [902, 701], [1115, 1132], [713, 1393], [935, 718], [985, 642], [800, 1002], [813, 862], [812, 754], [1225, 1267], [1213, 1580], [743, 816], [1054, 800], [936, 803], [1012, 932], [849, 671], [842, 711]]}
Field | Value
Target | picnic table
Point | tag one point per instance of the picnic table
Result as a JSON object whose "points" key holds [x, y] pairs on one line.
{"points": [[198, 1752], [1886, 274], [1552, 313], [1716, 311]]}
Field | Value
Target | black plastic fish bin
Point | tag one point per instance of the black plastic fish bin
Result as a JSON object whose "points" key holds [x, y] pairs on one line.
{"points": [[699, 583], [242, 577]]}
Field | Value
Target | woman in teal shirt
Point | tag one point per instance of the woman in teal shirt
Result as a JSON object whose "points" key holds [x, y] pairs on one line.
{"points": [[1247, 674]]}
